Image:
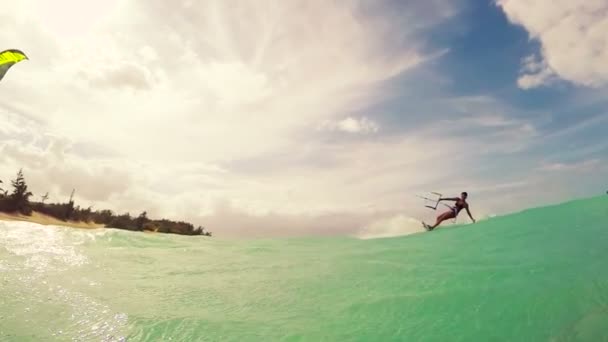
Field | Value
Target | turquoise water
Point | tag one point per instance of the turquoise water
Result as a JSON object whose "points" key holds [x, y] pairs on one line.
{"points": [[538, 275]]}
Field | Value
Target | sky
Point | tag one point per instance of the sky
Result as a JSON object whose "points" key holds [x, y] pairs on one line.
{"points": [[284, 118]]}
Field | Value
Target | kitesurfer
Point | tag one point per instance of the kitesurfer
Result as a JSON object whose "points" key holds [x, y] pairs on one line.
{"points": [[461, 203]]}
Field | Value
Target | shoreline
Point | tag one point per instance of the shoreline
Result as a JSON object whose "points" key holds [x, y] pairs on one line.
{"points": [[47, 220]]}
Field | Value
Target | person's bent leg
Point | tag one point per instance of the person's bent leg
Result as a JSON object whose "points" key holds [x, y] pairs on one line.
{"points": [[445, 216]]}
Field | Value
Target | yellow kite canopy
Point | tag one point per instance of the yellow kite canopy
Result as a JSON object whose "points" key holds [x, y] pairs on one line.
{"points": [[8, 58]]}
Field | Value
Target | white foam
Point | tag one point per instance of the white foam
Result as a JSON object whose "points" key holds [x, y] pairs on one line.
{"points": [[391, 226], [43, 247], [41, 251]]}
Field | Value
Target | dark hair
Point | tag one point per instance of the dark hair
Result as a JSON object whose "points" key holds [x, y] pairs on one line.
{"points": [[465, 193]]}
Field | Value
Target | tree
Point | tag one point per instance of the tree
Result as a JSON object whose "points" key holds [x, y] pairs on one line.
{"points": [[201, 231], [141, 220], [103, 216], [123, 221], [69, 207], [3, 193], [20, 198]]}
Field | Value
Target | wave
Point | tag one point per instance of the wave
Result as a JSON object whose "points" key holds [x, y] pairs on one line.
{"points": [[390, 227]]}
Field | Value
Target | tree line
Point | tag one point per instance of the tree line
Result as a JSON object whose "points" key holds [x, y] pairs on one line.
{"points": [[18, 201]]}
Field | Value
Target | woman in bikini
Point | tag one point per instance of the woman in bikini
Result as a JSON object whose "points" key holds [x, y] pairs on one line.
{"points": [[461, 203]]}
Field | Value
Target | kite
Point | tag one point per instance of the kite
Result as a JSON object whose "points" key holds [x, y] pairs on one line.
{"points": [[8, 58]]}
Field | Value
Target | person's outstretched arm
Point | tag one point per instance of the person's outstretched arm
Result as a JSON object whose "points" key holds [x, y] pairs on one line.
{"points": [[471, 216], [449, 199]]}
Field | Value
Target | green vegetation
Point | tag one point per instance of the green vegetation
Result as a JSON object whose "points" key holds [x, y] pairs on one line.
{"points": [[19, 202]]}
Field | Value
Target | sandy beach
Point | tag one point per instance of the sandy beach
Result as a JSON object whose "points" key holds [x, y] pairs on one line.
{"points": [[48, 220]]}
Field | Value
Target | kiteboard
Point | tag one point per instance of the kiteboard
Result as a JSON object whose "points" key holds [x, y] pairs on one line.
{"points": [[426, 226]]}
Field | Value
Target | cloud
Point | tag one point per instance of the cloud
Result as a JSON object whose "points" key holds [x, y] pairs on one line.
{"points": [[581, 166], [55, 169], [535, 73], [484, 125], [351, 125], [580, 126], [572, 35], [121, 75], [230, 81], [235, 222]]}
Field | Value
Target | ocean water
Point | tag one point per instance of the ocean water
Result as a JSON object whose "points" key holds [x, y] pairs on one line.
{"points": [[537, 275]]}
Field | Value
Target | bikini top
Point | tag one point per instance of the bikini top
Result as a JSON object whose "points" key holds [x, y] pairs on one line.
{"points": [[459, 205]]}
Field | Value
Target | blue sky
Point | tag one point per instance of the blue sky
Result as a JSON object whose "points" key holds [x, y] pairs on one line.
{"points": [[484, 59], [282, 118]]}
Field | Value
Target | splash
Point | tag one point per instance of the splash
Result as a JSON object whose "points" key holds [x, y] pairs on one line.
{"points": [[389, 227]]}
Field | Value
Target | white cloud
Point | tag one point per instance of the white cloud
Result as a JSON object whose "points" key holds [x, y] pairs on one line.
{"points": [[351, 125], [535, 73], [581, 166], [220, 81], [498, 128], [572, 34]]}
